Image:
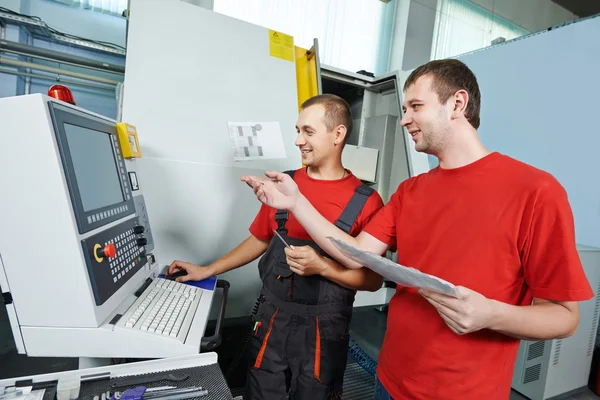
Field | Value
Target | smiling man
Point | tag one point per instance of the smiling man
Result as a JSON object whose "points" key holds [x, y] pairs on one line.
{"points": [[300, 340], [499, 229]]}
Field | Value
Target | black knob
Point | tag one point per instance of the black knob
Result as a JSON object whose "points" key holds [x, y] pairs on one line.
{"points": [[138, 230], [142, 241]]}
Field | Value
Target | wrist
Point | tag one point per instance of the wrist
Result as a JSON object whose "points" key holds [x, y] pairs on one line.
{"points": [[497, 312], [211, 269], [325, 267]]}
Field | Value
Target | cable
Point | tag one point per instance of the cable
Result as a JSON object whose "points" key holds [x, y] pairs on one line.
{"points": [[57, 32], [361, 357], [9, 11]]}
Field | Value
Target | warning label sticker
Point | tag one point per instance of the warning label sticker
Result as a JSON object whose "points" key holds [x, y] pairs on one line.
{"points": [[281, 45]]}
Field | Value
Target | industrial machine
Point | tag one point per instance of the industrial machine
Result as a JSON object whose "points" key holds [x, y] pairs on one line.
{"points": [[548, 368], [77, 269]]}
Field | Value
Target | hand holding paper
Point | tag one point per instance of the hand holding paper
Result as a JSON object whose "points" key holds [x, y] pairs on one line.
{"points": [[404, 276], [470, 312]]}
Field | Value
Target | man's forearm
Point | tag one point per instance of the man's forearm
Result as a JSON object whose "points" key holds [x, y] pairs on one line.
{"points": [[320, 228], [541, 321], [246, 252], [357, 279]]}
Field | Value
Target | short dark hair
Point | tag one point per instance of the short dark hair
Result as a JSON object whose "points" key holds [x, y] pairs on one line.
{"points": [[337, 111], [449, 76]]}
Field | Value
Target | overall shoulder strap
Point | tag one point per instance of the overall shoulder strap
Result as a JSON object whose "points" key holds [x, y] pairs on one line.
{"points": [[281, 216], [354, 207]]}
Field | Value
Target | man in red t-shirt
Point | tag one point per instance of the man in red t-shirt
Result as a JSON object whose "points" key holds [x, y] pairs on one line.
{"points": [[500, 230], [300, 340]]}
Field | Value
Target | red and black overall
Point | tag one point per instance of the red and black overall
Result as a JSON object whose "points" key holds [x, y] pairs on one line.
{"points": [[299, 344]]}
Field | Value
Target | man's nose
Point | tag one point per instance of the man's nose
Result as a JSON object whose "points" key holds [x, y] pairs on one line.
{"points": [[406, 119], [300, 140]]}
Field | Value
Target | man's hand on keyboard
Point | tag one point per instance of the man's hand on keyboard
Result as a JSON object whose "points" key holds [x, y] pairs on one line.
{"points": [[194, 272]]}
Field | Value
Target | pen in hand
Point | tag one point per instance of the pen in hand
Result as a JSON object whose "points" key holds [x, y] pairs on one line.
{"points": [[284, 242]]}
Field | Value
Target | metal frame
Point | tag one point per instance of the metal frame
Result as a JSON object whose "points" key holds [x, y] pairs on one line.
{"points": [[314, 52], [24, 64], [28, 70], [57, 79], [49, 55], [39, 28], [382, 84]]}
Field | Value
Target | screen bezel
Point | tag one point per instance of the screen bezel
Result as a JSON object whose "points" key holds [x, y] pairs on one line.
{"points": [[92, 219]]}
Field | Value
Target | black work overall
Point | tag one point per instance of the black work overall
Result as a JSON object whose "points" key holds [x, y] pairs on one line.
{"points": [[300, 339]]}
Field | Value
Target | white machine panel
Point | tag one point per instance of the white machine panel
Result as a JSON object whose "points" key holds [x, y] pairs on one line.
{"points": [[75, 238], [42, 227]]}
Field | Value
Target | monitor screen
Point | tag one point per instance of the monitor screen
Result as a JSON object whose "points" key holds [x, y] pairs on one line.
{"points": [[95, 167]]}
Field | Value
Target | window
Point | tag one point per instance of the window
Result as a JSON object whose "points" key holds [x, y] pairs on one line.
{"points": [[462, 27], [349, 31], [115, 7]]}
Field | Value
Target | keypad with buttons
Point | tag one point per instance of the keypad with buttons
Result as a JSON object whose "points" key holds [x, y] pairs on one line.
{"points": [[128, 255], [110, 273]]}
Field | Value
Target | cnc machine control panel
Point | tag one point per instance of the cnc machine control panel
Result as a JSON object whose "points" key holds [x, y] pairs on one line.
{"points": [[113, 256], [94, 154]]}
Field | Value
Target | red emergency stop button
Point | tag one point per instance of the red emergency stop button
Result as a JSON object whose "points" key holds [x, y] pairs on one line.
{"points": [[109, 251]]}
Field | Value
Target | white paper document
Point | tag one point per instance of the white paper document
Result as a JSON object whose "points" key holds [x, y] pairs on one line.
{"points": [[256, 140], [404, 276]]}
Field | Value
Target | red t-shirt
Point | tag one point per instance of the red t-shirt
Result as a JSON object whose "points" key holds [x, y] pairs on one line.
{"points": [[497, 226], [328, 197]]}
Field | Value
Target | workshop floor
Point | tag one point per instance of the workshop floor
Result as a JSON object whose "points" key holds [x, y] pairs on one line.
{"points": [[368, 328]]}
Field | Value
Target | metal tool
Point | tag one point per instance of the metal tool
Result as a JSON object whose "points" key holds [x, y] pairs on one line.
{"points": [[279, 236], [200, 392], [164, 394], [117, 395], [150, 379], [142, 393]]}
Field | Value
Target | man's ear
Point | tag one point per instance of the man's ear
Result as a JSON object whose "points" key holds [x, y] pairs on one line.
{"points": [[340, 135], [461, 100]]}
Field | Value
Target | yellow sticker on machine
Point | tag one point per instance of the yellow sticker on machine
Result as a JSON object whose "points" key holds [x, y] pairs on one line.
{"points": [[281, 45]]}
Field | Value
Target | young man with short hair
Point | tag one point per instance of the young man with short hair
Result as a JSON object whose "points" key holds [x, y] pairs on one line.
{"points": [[499, 229], [300, 342]]}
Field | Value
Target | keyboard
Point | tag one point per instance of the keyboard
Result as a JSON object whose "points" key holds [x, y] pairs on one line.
{"points": [[166, 308]]}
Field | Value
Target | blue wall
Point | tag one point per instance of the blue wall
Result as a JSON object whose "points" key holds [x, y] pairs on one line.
{"points": [[540, 105], [86, 23]]}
